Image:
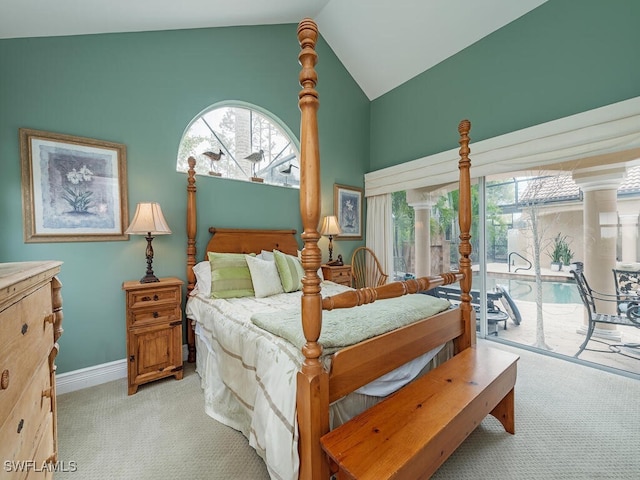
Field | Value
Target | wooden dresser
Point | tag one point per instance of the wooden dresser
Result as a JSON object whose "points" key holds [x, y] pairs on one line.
{"points": [[154, 330], [30, 325]]}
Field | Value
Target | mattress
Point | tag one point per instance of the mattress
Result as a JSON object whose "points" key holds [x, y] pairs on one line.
{"points": [[248, 374]]}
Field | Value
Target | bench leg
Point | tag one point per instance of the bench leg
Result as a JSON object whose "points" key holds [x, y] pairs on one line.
{"points": [[504, 412]]}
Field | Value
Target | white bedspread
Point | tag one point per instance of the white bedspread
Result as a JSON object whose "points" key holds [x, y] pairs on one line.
{"points": [[249, 374]]}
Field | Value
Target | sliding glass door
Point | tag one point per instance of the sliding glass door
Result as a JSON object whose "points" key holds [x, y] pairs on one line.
{"points": [[529, 232]]}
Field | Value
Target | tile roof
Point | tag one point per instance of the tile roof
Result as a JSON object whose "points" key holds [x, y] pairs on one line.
{"points": [[562, 187]]}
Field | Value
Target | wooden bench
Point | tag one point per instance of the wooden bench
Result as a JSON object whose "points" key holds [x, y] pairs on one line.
{"points": [[411, 433]]}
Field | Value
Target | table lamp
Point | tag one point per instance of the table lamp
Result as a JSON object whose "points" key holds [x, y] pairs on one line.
{"points": [[148, 220], [330, 227]]}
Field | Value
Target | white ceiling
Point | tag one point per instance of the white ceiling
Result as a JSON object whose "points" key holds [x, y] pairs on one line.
{"points": [[382, 43]]}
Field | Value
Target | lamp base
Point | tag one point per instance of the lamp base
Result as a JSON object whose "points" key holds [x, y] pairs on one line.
{"points": [[149, 279]]}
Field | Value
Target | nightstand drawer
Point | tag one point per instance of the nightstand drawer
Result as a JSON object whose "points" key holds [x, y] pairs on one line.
{"points": [[146, 316], [148, 299], [341, 276]]}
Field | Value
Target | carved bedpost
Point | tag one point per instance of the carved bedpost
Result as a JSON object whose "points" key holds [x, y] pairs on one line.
{"points": [[468, 338], [191, 249], [313, 380]]}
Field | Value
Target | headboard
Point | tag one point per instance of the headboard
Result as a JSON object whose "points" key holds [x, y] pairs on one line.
{"points": [[241, 240]]}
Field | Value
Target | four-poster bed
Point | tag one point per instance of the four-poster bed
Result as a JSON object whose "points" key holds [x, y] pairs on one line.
{"points": [[269, 360]]}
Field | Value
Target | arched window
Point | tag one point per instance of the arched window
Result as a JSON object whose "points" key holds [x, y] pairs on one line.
{"points": [[243, 143]]}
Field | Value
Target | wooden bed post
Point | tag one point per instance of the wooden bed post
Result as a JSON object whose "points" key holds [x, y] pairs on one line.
{"points": [[468, 338], [191, 249], [313, 380]]}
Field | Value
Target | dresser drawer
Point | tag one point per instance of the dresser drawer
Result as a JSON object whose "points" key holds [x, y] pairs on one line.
{"points": [[150, 300], [44, 452], [25, 342], [151, 315], [24, 427]]}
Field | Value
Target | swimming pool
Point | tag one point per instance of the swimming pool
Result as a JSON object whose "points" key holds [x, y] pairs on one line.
{"points": [[552, 292]]}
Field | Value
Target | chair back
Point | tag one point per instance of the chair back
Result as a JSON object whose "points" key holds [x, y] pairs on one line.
{"points": [[366, 270], [627, 284], [585, 291]]}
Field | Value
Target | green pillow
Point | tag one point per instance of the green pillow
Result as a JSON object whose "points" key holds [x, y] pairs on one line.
{"points": [[290, 271], [230, 275]]}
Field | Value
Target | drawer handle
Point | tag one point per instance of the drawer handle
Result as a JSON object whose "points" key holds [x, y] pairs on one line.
{"points": [[4, 380], [156, 314], [148, 299], [20, 425], [156, 297], [25, 327]]}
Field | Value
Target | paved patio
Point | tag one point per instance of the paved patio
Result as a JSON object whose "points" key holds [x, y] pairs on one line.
{"points": [[562, 323]]}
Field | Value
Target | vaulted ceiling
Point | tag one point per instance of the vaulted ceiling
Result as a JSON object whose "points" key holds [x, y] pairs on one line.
{"points": [[382, 43]]}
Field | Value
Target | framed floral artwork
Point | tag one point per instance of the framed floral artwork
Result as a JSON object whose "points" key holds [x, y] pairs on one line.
{"points": [[347, 206], [74, 189]]}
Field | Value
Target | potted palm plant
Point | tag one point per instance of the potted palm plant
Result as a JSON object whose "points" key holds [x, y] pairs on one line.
{"points": [[567, 256], [558, 248]]}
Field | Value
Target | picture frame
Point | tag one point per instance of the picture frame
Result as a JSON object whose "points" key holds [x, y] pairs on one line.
{"points": [[74, 189], [347, 207]]}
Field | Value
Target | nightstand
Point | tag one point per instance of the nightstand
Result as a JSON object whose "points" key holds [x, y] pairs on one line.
{"points": [[337, 273], [154, 331]]}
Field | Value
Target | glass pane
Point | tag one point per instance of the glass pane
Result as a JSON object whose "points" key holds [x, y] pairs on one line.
{"points": [[242, 144], [539, 226]]}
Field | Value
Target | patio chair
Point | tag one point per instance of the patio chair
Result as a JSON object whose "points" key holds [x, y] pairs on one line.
{"points": [[627, 284], [366, 270], [593, 299]]}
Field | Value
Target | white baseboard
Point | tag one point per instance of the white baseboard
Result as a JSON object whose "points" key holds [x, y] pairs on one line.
{"points": [[96, 375]]}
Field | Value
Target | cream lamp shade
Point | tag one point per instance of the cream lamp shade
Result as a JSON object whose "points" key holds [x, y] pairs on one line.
{"points": [[148, 220], [330, 227]]}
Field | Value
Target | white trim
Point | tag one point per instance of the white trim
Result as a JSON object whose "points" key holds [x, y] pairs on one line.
{"points": [[609, 129], [90, 376], [96, 375]]}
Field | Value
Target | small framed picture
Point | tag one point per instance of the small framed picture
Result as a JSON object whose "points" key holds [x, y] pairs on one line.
{"points": [[347, 206], [74, 189]]}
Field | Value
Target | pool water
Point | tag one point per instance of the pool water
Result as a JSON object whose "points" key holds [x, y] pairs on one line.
{"points": [[552, 292]]}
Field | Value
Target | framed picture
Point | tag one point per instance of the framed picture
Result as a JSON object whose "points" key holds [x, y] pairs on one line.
{"points": [[347, 206], [74, 189]]}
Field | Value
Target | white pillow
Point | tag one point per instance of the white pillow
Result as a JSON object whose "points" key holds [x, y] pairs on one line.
{"points": [[203, 276], [266, 255], [264, 276]]}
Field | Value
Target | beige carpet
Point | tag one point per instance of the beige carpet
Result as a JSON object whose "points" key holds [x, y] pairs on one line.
{"points": [[572, 422]]}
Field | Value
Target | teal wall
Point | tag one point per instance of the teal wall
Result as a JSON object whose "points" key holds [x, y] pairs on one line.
{"points": [[142, 89], [562, 58]]}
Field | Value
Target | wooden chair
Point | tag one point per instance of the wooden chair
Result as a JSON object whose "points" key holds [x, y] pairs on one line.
{"points": [[593, 300], [366, 270]]}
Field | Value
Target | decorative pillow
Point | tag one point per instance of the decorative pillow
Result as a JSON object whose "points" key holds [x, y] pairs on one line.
{"points": [[290, 271], [230, 275], [202, 271], [266, 255], [264, 276]]}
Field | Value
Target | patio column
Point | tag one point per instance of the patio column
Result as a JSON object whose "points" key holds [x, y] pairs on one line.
{"points": [[629, 237], [421, 202], [600, 220]]}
